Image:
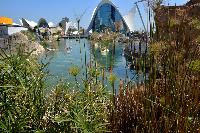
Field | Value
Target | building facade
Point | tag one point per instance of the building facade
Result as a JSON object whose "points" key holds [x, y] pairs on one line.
{"points": [[107, 17], [4, 31]]}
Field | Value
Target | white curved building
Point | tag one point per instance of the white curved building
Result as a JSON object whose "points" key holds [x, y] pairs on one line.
{"points": [[107, 16], [130, 17], [26, 23]]}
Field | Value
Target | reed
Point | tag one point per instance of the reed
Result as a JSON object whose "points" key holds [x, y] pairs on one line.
{"points": [[169, 102]]}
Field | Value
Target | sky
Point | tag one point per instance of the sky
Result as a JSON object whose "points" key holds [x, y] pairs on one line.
{"points": [[55, 10]]}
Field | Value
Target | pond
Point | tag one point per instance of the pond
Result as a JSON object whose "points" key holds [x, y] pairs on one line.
{"points": [[69, 52]]}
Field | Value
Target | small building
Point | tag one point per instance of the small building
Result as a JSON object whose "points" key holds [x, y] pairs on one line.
{"points": [[4, 31], [6, 21], [7, 27], [7, 30]]}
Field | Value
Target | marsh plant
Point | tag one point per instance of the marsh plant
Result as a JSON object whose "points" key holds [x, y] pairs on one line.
{"points": [[74, 71], [21, 93], [168, 101], [68, 108], [77, 111]]}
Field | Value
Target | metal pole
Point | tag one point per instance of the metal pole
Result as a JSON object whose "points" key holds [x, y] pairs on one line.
{"points": [[141, 17]]}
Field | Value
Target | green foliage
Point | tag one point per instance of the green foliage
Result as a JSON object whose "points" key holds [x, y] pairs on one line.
{"points": [[44, 44], [112, 78], [173, 22], [76, 111], [74, 71], [42, 23], [195, 23], [94, 72], [194, 65], [31, 36], [25, 108], [157, 48], [21, 93], [105, 43]]}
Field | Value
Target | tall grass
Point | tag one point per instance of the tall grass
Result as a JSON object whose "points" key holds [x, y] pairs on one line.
{"points": [[170, 100], [77, 111], [68, 108], [167, 102], [21, 93]]}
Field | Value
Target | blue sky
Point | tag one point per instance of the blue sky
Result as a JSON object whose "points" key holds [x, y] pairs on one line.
{"points": [[55, 10]]}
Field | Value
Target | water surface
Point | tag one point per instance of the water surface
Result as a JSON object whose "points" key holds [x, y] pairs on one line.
{"points": [[69, 52]]}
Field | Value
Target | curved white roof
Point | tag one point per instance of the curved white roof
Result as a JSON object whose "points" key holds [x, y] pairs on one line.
{"points": [[130, 17], [31, 23], [97, 8]]}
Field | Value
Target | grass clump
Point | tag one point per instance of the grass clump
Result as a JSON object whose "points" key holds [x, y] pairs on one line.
{"points": [[173, 22], [195, 23], [194, 65], [77, 111], [21, 93]]}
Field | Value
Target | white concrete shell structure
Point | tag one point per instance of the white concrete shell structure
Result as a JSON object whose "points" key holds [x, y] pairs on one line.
{"points": [[70, 25], [26, 23], [130, 17], [107, 15]]}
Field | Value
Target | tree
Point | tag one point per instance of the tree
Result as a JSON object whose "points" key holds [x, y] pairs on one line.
{"points": [[43, 23]]}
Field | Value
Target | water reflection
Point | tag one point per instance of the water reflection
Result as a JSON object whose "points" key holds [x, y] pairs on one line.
{"points": [[70, 53]]}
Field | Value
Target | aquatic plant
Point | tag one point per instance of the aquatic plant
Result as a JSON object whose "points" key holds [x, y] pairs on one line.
{"points": [[157, 48], [68, 108], [74, 71], [169, 101], [76, 110], [44, 44], [112, 78]]}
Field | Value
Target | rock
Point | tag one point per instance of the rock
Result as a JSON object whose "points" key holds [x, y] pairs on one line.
{"points": [[20, 40]]}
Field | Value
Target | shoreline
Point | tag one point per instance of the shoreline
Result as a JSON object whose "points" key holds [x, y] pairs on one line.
{"points": [[23, 41]]}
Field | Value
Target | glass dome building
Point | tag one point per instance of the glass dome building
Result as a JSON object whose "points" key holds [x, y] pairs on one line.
{"points": [[107, 16]]}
